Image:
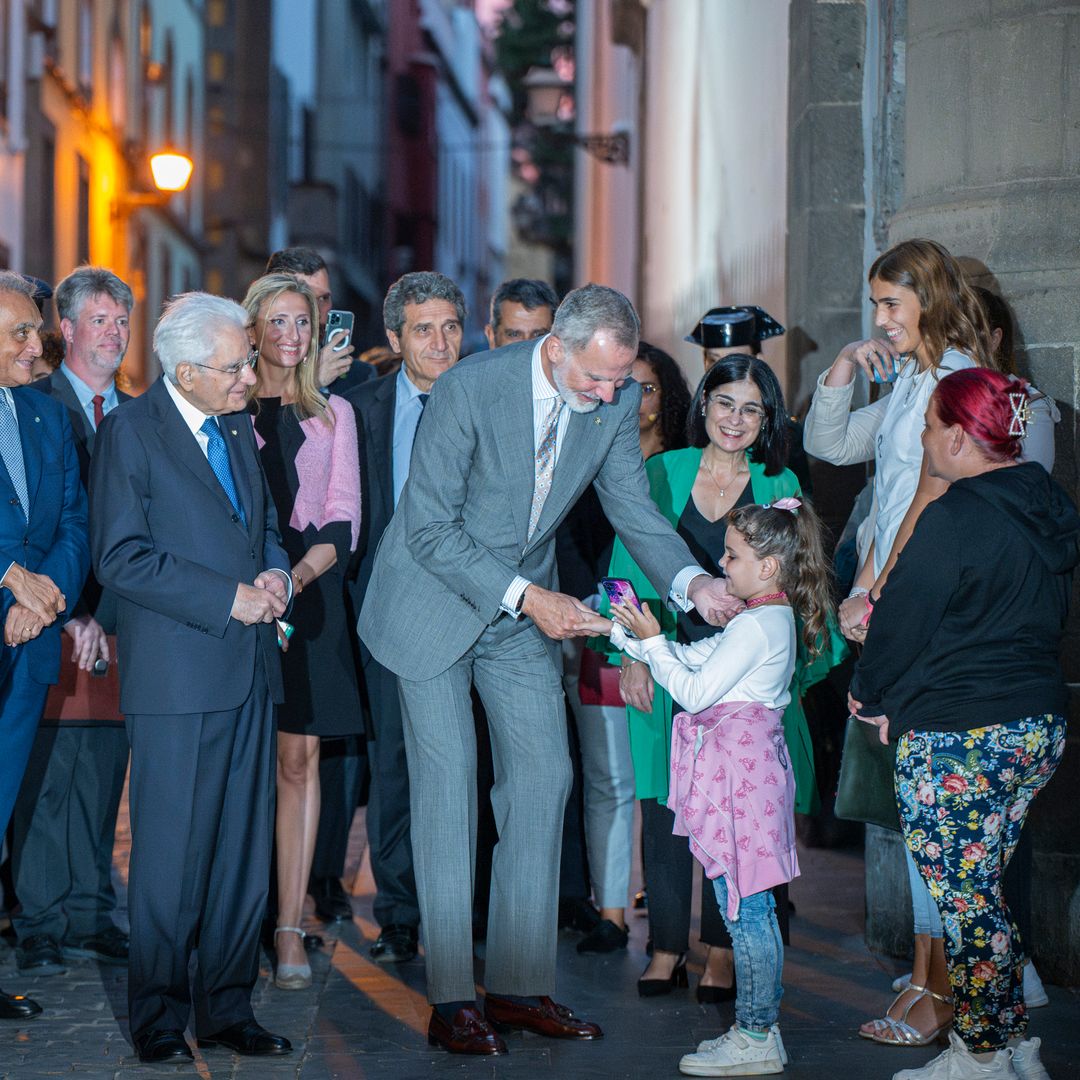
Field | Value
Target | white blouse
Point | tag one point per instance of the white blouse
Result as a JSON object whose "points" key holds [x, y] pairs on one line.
{"points": [[751, 659]]}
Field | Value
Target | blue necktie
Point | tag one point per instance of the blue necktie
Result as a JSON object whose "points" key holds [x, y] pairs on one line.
{"points": [[11, 452], [218, 456]]}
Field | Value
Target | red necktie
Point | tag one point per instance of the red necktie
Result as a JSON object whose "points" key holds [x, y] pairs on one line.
{"points": [[99, 410]]}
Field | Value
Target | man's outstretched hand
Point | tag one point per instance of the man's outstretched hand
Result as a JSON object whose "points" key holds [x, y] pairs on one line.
{"points": [[713, 602]]}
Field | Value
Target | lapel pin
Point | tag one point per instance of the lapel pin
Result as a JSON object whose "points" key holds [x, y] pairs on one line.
{"points": [[233, 430], [597, 421]]}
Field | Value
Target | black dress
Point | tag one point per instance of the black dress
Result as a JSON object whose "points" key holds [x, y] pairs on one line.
{"points": [[321, 695]]}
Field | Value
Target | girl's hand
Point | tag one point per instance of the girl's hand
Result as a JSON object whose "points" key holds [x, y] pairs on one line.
{"points": [[596, 624], [641, 623], [852, 612], [880, 722], [875, 355]]}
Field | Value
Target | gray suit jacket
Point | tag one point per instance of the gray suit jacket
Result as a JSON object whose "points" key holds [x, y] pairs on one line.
{"points": [[459, 535]]}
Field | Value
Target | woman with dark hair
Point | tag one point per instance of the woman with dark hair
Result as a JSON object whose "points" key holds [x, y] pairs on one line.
{"points": [[932, 324], [665, 399], [737, 429], [1039, 440], [961, 669]]}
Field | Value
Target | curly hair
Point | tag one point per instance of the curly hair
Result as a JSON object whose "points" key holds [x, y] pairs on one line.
{"points": [[796, 539], [674, 395]]}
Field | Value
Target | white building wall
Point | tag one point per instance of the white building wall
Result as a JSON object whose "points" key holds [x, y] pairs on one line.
{"points": [[13, 135]]}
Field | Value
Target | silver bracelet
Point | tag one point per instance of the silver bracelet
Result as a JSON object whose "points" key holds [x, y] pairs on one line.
{"points": [[857, 590]]}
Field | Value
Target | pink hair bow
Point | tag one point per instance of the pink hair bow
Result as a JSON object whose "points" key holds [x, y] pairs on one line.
{"points": [[789, 503]]}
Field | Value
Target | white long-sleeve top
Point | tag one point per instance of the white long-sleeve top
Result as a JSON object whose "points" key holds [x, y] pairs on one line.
{"points": [[751, 659]]}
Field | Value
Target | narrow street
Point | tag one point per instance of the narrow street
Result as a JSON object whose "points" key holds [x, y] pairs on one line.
{"points": [[361, 1021]]}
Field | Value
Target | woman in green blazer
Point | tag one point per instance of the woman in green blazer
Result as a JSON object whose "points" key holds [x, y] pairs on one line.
{"points": [[737, 428]]}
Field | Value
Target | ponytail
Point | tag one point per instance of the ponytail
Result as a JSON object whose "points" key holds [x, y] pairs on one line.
{"points": [[796, 539]]}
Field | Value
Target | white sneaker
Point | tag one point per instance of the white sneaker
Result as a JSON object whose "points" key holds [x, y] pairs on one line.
{"points": [[1026, 1060], [1035, 996], [736, 1054], [957, 1063], [712, 1044]]}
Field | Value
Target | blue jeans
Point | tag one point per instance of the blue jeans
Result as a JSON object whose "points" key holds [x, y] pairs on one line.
{"points": [[759, 958], [924, 911]]}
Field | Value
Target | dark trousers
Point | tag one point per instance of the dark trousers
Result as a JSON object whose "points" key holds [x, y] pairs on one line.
{"points": [[340, 762], [388, 815], [669, 877], [22, 700], [63, 829], [202, 817]]}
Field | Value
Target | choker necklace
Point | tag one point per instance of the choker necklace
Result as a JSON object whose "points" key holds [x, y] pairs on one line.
{"points": [[759, 600]]}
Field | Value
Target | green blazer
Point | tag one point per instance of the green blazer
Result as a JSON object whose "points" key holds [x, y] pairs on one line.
{"points": [[671, 479]]}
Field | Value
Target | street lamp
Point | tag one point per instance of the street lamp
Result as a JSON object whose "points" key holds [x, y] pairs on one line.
{"points": [[547, 93], [171, 171]]}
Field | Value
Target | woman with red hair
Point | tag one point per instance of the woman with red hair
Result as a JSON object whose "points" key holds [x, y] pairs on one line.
{"points": [[960, 668]]}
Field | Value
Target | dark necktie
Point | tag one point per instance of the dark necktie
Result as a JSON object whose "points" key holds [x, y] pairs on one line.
{"points": [[99, 410], [218, 456], [11, 452]]}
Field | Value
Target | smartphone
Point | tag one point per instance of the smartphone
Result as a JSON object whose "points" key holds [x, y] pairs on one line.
{"points": [[620, 591], [339, 328]]}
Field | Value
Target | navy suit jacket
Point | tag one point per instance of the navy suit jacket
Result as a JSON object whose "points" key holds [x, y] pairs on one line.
{"points": [[54, 540], [167, 541]]}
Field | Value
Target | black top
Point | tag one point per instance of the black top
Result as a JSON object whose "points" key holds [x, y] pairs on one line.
{"points": [[967, 630], [705, 539], [583, 544], [321, 695]]}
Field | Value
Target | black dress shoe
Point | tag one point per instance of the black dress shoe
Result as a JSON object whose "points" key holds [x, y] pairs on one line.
{"points": [[605, 936], [17, 1007], [578, 914], [659, 987], [396, 944], [40, 954], [162, 1045], [715, 995], [109, 947], [250, 1038], [331, 900]]}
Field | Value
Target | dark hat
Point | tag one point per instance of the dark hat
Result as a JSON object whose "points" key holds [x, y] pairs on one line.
{"points": [[733, 327], [42, 290]]}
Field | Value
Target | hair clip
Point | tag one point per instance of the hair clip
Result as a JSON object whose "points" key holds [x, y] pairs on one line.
{"points": [[789, 503], [1021, 415]]}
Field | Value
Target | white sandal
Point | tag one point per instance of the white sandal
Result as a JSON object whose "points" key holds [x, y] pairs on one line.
{"points": [[890, 1032], [292, 976]]}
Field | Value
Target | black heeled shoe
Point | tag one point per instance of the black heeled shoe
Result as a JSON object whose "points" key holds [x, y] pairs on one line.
{"points": [[658, 987], [714, 995]]}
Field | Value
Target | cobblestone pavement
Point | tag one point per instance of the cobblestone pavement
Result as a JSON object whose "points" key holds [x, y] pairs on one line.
{"points": [[361, 1021]]}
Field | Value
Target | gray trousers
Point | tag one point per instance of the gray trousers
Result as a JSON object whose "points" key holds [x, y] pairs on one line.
{"points": [[522, 694], [63, 829]]}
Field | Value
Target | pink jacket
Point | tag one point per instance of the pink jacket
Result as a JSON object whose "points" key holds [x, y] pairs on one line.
{"points": [[733, 792]]}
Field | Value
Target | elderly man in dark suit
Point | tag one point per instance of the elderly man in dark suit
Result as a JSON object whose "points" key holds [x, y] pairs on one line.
{"points": [[424, 316], [183, 530], [65, 818], [44, 555], [464, 593]]}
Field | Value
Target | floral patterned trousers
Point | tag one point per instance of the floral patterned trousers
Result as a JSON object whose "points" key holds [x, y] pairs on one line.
{"points": [[963, 797]]}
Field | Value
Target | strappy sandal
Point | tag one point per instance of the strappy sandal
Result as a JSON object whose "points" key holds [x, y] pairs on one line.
{"points": [[292, 976], [890, 1032]]}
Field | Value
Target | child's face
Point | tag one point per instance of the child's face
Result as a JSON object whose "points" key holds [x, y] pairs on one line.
{"points": [[747, 575]]}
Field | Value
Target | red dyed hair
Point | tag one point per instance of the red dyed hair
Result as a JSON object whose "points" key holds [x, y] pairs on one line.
{"points": [[980, 401]]}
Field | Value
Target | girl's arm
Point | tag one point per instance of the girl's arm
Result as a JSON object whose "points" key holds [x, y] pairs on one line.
{"points": [[853, 609], [731, 657], [929, 489]]}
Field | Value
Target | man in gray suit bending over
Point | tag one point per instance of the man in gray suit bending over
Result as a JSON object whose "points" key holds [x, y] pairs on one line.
{"points": [[183, 531], [463, 592]]}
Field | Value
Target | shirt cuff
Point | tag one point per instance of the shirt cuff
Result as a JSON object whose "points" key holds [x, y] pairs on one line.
{"points": [[512, 597], [287, 578], [682, 583], [6, 572]]}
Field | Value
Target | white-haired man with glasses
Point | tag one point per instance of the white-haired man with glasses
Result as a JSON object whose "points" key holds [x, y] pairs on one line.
{"points": [[183, 530]]}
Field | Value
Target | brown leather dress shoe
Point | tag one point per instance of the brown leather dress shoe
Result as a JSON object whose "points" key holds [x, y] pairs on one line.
{"points": [[548, 1018], [470, 1033]]}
